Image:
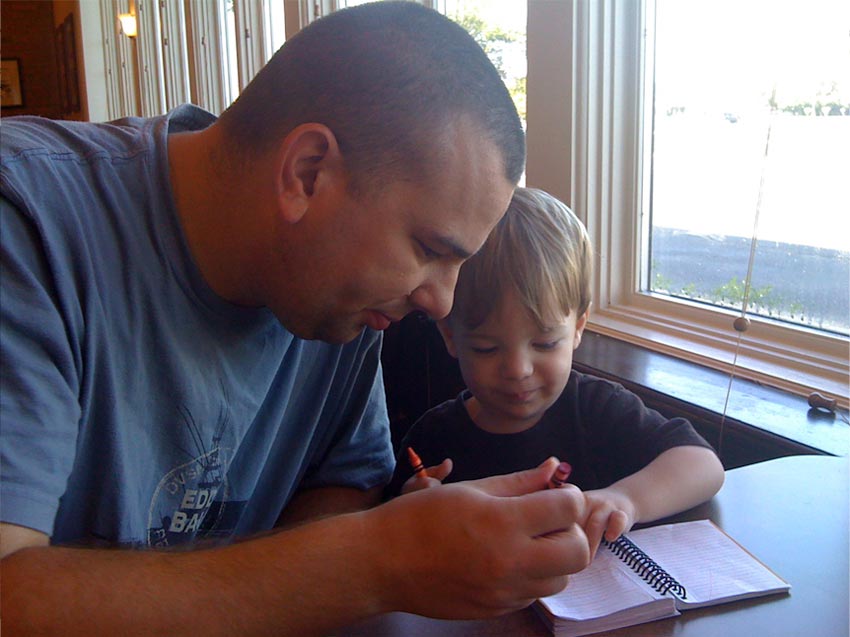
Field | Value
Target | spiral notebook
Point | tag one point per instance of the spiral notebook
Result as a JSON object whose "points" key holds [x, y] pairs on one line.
{"points": [[655, 573]]}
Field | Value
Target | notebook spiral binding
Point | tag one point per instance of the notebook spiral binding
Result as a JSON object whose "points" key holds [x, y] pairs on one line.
{"points": [[646, 567]]}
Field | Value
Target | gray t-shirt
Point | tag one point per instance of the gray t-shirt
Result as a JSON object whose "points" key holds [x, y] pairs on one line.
{"points": [[137, 407]]}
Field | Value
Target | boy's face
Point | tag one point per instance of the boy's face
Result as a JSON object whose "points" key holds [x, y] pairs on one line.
{"points": [[514, 370]]}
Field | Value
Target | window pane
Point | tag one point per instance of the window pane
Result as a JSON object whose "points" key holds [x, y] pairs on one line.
{"points": [[276, 25], [751, 113], [230, 61], [500, 28]]}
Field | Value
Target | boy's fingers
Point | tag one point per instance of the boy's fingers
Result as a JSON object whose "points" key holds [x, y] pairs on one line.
{"points": [[617, 525], [442, 470]]}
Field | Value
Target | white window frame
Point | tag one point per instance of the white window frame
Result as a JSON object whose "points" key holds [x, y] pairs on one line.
{"points": [[585, 126]]}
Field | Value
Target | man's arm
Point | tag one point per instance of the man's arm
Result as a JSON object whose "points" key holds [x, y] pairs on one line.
{"points": [[472, 549], [312, 504]]}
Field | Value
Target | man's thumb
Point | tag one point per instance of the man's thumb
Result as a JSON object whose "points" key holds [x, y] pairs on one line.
{"points": [[521, 482]]}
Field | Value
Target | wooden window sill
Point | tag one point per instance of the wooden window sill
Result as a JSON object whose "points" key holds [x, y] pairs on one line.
{"points": [[761, 422]]}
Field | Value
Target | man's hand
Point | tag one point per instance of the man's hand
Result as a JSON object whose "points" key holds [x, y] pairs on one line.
{"points": [[479, 548]]}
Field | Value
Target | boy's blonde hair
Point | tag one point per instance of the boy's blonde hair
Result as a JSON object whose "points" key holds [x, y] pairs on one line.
{"points": [[540, 249]]}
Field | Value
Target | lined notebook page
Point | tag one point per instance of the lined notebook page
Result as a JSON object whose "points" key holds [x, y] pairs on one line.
{"points": [[603, 588], [710, 564]]}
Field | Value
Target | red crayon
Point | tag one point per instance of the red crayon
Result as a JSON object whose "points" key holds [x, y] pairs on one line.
{"points": [[416, 463], [559, 478]]}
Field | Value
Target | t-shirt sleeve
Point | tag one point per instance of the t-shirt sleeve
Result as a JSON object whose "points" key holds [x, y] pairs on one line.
{"points": [[359, 454], [39, 378], [625, 434]]}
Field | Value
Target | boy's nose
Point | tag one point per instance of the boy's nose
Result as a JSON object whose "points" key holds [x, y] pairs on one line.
{"points": [[516, 365]]}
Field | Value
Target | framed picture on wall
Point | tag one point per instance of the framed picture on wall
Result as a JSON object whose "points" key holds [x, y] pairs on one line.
{"points": [[10, 83]]}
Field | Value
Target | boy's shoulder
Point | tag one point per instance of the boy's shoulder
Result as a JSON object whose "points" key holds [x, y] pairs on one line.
{"points": [[446, 419], [586, 385], [593, 394], [447, 413]]}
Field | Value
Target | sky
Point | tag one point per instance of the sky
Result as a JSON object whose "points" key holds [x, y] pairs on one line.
{"points": [[720, 61]]}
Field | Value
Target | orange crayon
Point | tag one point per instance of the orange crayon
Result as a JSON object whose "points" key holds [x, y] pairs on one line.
{"points": [[416, 463], [559, 478]]}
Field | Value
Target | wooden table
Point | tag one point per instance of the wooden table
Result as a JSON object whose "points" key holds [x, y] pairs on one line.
{"points": [[792, 513]]}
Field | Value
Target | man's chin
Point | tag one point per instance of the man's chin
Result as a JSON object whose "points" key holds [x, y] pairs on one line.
{"points": [[336, 334]]}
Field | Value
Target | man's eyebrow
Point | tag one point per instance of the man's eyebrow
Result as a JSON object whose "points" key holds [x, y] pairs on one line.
{"points": [[453, 246]]}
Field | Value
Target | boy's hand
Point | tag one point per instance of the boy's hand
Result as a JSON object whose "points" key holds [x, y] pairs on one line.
{"points": [[436, 475], [609, 514]]}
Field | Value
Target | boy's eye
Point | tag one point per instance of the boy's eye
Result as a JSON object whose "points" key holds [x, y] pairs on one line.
{"points": [[483, 350], [545, 347]]}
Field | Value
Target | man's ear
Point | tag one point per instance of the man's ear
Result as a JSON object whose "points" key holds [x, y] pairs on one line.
{"points": [[448, 336], [581, 323], [308, 153]]}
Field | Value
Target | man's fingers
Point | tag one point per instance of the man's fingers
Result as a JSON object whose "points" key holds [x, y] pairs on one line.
{"points": [[550, 510], [543, 587], [557, 554], [518, 483]]}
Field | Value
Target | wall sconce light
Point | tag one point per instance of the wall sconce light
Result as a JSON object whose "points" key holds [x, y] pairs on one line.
{"points": [[128, 24]]}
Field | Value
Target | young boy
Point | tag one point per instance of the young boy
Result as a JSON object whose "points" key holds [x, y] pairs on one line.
{"points": [[520, 307]]}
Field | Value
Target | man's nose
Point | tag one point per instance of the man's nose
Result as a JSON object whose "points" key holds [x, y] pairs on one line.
{"points": [[436, 295]]}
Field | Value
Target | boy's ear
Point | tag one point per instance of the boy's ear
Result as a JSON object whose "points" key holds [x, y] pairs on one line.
{"points": [[448, 336], [308, 156], [581, 323]]}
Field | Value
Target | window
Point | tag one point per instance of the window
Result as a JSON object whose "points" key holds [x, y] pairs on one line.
{"points": [[589, 114], [745, 179], [500, 28], [589, 142], [199, 52]]}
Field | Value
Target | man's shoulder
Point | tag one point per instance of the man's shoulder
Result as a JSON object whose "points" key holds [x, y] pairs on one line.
{"points": [[28, 136]]}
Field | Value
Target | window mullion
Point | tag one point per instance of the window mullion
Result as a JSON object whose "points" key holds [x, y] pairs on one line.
{"points": [[553, 144], [274, 26], [149, 49], [250, 39], [174, 53], [206, 19], [111, 59], [127, 97], [592, 144]]}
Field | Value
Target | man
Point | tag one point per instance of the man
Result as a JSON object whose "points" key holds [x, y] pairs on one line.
{"points": [[185, 361]]}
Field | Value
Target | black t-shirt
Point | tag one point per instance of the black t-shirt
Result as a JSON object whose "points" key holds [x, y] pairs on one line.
{"points": [[603, 430]]}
